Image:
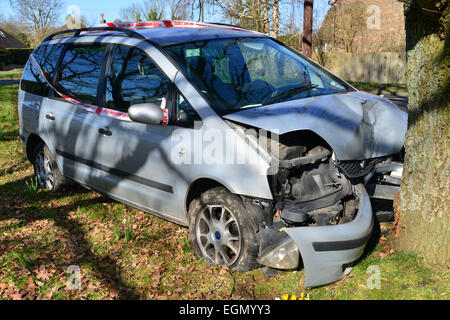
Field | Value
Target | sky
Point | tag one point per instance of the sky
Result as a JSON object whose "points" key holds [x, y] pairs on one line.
{"points": [[91, 9]]}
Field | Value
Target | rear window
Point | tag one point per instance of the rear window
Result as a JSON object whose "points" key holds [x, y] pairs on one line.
{"points": [[80, 72], [47, 56]]}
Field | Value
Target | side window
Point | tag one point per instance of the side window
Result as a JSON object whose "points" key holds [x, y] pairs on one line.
{"points": [[185, 114], [47, 56], [132, 79], [49, 61], [80, 71], [282, 70]]}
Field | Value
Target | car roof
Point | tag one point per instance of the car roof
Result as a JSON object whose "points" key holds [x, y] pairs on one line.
{"points": [[168, 36], [169, 32]]}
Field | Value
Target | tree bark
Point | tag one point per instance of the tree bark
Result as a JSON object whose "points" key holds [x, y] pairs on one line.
{"points": [[422, 207], [275, 18], [265, 14], [307, 28]]}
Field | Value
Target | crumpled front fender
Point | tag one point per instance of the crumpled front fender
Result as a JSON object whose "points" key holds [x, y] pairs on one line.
{"points": [[356, 125], [326, 251]]}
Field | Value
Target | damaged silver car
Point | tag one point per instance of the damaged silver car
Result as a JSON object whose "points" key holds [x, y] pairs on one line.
{"points": [[266, 156]]}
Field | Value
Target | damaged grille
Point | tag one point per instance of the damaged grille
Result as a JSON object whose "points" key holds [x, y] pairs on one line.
{"points": [[358, 169]]}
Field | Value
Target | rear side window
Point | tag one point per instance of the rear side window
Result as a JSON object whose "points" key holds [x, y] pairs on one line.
{"points": [[132, 79], [47, 56], [80, 71], [49, 61]]}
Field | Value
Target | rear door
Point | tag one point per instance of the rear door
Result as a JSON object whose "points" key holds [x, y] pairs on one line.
{"points": [[74, 128], [34, 90]]}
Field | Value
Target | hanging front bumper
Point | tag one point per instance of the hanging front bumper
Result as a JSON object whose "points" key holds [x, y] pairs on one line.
{"points": [[326, 251]]}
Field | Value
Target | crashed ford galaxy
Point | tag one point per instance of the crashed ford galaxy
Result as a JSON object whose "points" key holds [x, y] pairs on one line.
{"points": [[136, 110]]}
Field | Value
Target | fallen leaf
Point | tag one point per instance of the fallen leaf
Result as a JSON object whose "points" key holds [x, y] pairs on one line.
{"points": [[3, 286], [114, 292], [43, 273], [17, 296], [223, 271], [30, 283]]}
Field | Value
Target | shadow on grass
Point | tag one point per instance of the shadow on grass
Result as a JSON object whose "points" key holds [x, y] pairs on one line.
{"points": [[9, 135], [18, 207]]}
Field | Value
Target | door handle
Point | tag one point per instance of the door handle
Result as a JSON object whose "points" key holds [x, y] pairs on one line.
{"points": [[105, 131], [50, 116]]}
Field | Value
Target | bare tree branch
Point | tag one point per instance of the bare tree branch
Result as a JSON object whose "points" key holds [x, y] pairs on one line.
{"points": [[39, 16]]}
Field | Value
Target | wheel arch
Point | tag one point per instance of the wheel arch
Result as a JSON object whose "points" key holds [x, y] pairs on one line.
{"points": [[198, 187], [32, 141]]}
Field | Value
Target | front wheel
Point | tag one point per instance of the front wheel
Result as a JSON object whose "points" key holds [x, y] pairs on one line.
{"points": [[220, 231], [46, 170]]}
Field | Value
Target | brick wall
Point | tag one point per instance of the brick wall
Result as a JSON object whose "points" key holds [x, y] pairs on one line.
{"points": [[384, 29], [381, 67]]}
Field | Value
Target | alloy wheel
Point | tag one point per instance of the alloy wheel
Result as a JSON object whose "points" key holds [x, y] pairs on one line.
{"points": [[218, 235], [44, 171]]}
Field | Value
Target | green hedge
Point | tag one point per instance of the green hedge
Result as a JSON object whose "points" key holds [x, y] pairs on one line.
{"points": [[14, 56]]}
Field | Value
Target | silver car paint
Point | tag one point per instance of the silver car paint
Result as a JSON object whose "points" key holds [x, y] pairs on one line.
{"points": [[168, 36], [77, 131], [342, 120], [356, 125], [322, 267], [31, 118]]}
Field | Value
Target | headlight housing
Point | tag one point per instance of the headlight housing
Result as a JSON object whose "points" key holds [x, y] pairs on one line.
{"points": [[283, 255]]}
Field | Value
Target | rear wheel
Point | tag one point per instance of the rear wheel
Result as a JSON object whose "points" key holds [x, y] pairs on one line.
{"points": [[47, 173], [220, 232]]}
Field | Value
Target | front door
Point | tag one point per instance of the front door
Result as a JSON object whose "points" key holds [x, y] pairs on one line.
{"points": [[136, 155]]}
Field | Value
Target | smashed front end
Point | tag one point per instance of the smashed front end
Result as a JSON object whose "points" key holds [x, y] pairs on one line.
{"points": [[338, 161], [322, 211], [321, 214]]}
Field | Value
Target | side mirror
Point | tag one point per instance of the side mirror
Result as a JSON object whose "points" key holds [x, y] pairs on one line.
{"points": [[149, 113]]}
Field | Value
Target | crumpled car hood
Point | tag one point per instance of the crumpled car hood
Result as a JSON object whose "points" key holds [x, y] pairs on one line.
{"points": [[356, 125]]}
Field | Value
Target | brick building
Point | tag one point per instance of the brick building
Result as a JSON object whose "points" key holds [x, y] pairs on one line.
{"points": [[364, 26]]}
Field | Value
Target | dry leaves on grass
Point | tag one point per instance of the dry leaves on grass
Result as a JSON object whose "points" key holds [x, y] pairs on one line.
{"points": [[384, 252]]}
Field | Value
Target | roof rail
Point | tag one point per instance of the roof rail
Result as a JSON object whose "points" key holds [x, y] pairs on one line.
{"points": [[226, 25], [77, 32]]}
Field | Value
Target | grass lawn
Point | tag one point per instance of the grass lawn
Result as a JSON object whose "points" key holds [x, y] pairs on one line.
{"points": [[394, 89], [123, 253], [14, 74]]}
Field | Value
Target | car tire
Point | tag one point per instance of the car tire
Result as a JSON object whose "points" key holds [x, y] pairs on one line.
{"points": [[47, 173], [220, 231]]}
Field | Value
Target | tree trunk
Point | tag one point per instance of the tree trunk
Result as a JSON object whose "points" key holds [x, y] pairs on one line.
{"points": [[202, 8], [307, 28], [423, 205], [275, 18], [265, 14]]}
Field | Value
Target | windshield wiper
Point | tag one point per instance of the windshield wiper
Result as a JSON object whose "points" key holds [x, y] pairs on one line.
{"points": [[288, 93]]}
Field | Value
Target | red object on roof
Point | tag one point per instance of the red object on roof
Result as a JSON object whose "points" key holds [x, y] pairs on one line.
{"points": [[167, 24]]}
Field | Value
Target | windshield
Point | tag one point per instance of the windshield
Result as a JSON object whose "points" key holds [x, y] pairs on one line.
{"points": [[236, 74]]}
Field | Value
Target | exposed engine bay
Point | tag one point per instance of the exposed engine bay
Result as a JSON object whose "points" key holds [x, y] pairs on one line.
{"points": [[311, 187]]}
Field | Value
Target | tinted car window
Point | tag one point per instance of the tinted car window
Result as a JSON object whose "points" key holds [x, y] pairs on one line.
{"points": [[185, 114], [49, 61], [132, 79], [80, 71], [236, 74], [47, 56]]}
